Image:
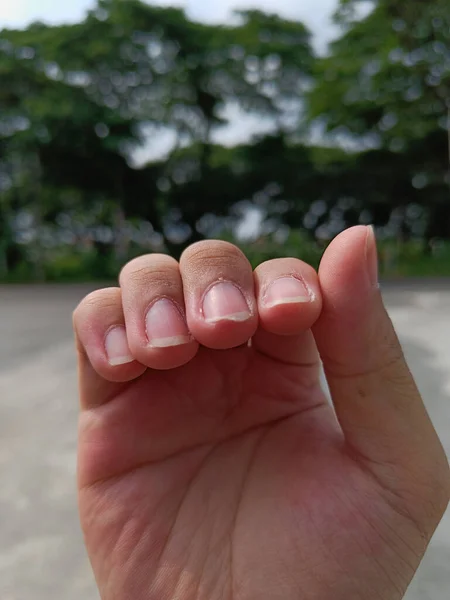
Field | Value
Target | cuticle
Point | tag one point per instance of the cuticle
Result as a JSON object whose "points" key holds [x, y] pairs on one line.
{"points": [[171, 300]]}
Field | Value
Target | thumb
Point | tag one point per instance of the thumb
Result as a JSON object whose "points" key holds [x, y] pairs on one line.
{"points": [[377, 403]]}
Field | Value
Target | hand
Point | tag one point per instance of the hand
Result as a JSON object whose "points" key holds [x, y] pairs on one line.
{"points": [[211, 468]]}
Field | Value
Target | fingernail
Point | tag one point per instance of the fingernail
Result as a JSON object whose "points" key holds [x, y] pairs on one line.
{"points": [[287, 290], [116, 346], [165, 325], [372, 257], [225, 302]]}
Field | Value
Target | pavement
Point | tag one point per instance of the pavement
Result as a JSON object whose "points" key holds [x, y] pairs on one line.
{"points": [[41, 548]]}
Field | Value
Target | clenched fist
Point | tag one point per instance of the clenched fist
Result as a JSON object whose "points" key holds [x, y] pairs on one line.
{"points": [[212, 465]]}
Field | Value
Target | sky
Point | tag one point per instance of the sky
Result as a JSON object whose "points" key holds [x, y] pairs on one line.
{"points": [[315, 13]]}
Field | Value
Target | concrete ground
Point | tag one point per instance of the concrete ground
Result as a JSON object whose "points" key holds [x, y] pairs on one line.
{"points": [[41, 550]]}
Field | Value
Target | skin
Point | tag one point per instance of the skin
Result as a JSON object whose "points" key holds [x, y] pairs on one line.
{"points": [[218, 469]]}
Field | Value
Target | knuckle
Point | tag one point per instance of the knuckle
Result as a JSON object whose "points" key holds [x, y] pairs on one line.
{"points": [[379, 355], [100, 300], [385, 367], [287, 264], [432, 500], [429, 490], [217, 255], [441, 490], [149, 268]]}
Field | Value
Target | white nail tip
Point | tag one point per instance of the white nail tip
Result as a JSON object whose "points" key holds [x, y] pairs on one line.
{"points": [[170, 342], [292, 300], [236, 318], [121, 360]]}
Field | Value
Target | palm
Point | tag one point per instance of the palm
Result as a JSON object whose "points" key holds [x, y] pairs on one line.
{"points": [[233, 458]]}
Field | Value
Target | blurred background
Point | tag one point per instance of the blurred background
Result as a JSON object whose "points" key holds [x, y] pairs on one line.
{"points": [[129, 127], [141, 127]]}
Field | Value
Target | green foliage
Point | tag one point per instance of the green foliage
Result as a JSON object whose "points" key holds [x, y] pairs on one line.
{"points": [[297, 244], [410, 260], [77, 101], [389, 74], [386, 85]]}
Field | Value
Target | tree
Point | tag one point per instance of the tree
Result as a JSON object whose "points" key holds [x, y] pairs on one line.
{"points": [[138, 66], [386, 84]]}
